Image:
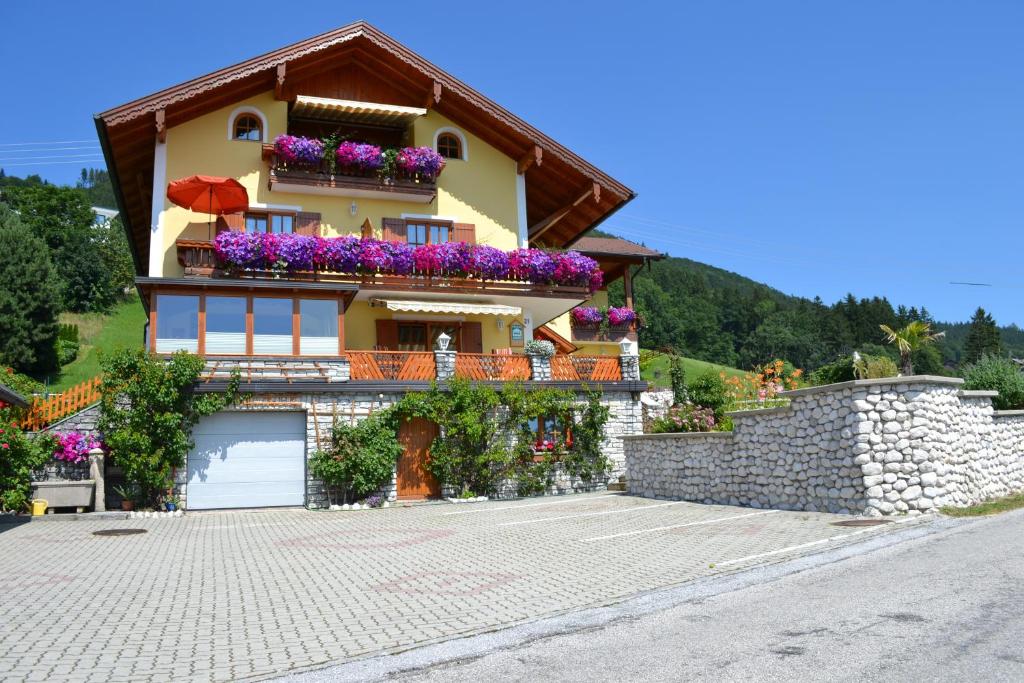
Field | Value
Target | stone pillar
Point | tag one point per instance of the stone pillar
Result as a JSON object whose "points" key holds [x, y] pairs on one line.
{"points": [[540, 367], [630, 367], [444, 362], [96, 474]]}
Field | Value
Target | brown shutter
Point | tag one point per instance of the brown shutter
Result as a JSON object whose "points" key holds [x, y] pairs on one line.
{"points": [[307, 223], [464, 232], [231, 221], [387, 335], [472, 338], [393, 229]]}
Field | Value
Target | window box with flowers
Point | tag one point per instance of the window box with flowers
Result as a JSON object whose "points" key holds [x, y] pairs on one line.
{"points": [[591, 324]]}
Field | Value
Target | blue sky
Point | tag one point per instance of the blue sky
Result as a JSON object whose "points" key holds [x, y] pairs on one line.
{"points": [[821, 147]]}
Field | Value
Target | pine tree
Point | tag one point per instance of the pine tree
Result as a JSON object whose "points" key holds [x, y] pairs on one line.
{"points": [[29, 299], [982, 338]]}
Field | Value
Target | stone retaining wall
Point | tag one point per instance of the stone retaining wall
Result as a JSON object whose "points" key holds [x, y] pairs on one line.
{"points": [[875, 447]]}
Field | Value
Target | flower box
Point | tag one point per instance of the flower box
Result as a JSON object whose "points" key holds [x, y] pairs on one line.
{"points": [[65, 494]]}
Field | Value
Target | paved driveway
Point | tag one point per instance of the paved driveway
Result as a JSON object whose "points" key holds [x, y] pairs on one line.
{"points": [[222, 596]]}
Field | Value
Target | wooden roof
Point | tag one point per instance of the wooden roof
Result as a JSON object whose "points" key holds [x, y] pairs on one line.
{"points": [[615, 246], [566, 195]]}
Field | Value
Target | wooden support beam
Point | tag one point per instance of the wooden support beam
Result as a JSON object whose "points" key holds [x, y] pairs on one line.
{"points": [[534, 156], [161, 125], [539, 228], [627, 286], [597, 193], [279, 83], [434, 97]]}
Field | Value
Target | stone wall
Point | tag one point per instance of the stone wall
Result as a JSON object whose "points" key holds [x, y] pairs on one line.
{"points": [[875, 447], [322, 409]]}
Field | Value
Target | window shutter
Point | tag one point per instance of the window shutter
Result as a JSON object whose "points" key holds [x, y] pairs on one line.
{"points": [[393, 229], [307, 223], [464, 232], [231, 221], [387, 335], [472, 338]]}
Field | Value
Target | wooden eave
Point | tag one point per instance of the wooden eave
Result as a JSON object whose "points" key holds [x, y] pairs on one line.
{"points": [[128, 133]]}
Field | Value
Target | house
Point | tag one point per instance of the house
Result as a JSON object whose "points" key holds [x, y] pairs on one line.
{"points": [[9, 397], [328, 336]]}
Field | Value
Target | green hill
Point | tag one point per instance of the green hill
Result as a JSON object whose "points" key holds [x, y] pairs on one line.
{"points": [[101, 333], [657, 371]]}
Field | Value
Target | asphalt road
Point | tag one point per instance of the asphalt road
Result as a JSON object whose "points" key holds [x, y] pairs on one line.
{"points": [[946, 605]]}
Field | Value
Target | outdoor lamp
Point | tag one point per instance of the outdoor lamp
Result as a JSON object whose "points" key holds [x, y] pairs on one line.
{"points": [[353, 209], [626, 347], [442, 341]]}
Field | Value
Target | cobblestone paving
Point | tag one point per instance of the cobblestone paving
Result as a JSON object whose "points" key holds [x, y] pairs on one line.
{"points": [[223, 596]]}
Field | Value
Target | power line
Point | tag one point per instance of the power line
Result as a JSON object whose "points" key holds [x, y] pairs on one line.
{"points": [[47, 149], [55, 156], [55, 142], [49, 163]]}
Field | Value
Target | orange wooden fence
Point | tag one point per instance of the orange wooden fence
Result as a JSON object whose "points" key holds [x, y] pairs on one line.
{"points": [[45, 411], [585, 369], [492, 366], [411, 366]]}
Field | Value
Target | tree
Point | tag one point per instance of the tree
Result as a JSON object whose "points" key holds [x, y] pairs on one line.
{"points": [[908, 339], [29, 299], [982, 338]]}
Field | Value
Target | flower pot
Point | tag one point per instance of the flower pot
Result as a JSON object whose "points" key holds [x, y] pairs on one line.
{"points": [[127, 505], [171, 507]]}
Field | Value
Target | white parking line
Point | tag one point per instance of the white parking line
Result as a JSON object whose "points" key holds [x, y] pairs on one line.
{"points": [[676, 526], [807, 545], [591, 514], [574, 499]]}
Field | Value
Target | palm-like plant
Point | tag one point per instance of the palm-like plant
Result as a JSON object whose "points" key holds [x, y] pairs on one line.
{"points": [[913, 336]]}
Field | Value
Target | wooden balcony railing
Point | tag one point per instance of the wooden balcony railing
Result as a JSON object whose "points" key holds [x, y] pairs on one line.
{"points": [[585, 369], [492, 367], [409, 366], [609, 334], [321, 178], [46, 411]]}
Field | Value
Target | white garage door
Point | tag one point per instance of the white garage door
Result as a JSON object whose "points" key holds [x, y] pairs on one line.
{"points": [[244, 460]]}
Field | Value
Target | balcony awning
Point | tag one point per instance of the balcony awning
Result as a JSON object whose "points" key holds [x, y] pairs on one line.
{"points": [[352, 111], [446, 307]]}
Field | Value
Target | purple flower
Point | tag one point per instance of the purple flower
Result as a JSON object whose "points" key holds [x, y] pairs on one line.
{"points": [[359, 155], [422, 160], [488, 263], [341, 254], [620, 317], [425, 259], [307, 151], [297, 252], [587, 315], [283, 148], [401, 255], [454, 258], [239, 249], [74, 446]]}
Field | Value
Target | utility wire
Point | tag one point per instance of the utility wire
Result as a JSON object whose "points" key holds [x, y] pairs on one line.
{"points": [[49, 163], [55, 142], [47, 149], [55, 156]]}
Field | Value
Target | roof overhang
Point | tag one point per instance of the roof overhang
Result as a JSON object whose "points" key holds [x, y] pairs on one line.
{"points": [[461, 308], [8, 395], [352, 111], [566, 195]]}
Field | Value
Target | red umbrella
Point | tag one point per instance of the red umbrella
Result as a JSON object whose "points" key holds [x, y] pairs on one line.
{"points": [[209, 194]]}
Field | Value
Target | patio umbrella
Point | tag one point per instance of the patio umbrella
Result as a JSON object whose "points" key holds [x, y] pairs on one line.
{"points": [[209, 194]]}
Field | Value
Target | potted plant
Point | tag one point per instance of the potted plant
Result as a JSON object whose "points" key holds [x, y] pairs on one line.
{"points": [[171, 502], [127, 498]]}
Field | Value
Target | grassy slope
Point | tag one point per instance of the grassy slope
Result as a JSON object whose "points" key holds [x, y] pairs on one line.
{"points": [[121, 328], [657, 373]]}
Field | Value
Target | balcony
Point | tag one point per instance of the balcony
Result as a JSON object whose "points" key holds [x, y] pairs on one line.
{"points": [[320, 180], [600, 335]]}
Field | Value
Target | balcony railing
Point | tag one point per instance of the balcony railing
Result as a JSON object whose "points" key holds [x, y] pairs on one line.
{"points": [[321, 179], [492, 367], [198, 258], [585, 369], [409, 366], [582, 333]]}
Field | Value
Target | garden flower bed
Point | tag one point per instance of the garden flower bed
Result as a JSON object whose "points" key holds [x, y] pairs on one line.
{"points": [[367, 256]]}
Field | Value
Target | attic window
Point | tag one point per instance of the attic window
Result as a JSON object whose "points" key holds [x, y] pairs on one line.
{"points": [[248, 127], [449, 146]]}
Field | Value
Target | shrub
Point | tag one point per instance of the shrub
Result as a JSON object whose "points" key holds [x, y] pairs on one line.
{"points": [[997, 374], [845, 369], [839, 370], [875, 367], [21, 384], [361, 457], [20, 456], [677, 376], [67, 351], [585, 458], [709, 391], [147, 411], [539, 347], [685, 417]]}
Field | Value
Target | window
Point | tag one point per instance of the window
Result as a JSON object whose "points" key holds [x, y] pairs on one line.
{"points": [[272, 222], [449, 146], [423, 336], [225, 324], [424, 232], [318, 327], [272, 326], [177, 325], [549, 430], [248, 127]]}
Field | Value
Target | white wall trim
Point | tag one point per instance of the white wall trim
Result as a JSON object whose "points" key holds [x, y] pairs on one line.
{"points": [[156, 228], [524, 228], [429, 217], [247, 109], [457, 133], [271, 207]]}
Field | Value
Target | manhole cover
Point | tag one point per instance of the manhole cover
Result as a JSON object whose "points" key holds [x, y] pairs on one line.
{"points": [[861, 522], [118, 532]]}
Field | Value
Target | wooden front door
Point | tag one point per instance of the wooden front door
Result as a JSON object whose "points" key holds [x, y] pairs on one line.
{"points": [[414, 479]]}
